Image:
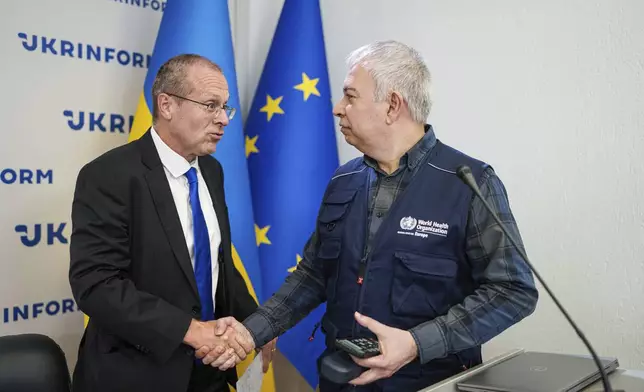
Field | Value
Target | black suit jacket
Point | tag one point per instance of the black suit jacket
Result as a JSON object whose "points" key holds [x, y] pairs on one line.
{"points": [[130, 272]]}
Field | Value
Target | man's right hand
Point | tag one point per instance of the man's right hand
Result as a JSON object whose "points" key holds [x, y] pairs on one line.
{"points": [[235, 335], [215, 347]]}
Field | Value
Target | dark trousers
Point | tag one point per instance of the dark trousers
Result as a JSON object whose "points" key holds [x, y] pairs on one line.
{"points": [[207, 379]]}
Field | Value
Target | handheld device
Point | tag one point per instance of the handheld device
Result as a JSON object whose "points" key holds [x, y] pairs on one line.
{"points": [[359, 347]]}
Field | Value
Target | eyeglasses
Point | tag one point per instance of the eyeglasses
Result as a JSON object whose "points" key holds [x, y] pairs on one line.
{"points": [[211, 107]]}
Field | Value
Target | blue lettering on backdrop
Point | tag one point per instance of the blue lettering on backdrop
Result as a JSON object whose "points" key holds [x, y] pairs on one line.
{"points": [[39, 309], [104, 122], [156, 5], [80, 50], [54, 232], [11, 176]]}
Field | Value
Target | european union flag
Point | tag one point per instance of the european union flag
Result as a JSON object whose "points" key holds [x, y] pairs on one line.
{"points": [[292, 154]]}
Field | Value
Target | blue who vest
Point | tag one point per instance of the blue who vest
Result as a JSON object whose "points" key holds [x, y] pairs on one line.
{"points": [[417, 268]]}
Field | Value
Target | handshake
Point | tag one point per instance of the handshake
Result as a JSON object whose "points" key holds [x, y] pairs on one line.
{"points": [[224, 343]]}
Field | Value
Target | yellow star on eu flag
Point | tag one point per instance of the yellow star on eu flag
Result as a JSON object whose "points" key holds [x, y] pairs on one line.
{"points": [[250, 145], [298, 258], [272, 107], [308, 86], [261, 235]]}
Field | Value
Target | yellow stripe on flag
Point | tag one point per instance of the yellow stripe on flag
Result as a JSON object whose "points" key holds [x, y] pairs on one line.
{"points": [[142, 120], [268, 383]]}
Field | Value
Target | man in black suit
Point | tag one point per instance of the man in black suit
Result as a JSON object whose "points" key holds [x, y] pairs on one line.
{"points": [[151, 261]]}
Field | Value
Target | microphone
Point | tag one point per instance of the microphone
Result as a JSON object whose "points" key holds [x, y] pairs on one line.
{"points": [[465, 174]]}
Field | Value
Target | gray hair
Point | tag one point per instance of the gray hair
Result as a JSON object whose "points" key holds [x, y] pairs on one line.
{"points": [[396, 67], [172, 77]]}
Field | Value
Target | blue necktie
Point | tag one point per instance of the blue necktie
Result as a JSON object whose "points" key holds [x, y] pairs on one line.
{"points": [[203, 271]]}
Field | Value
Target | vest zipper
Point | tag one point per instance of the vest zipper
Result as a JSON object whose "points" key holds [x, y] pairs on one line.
{"points": [[362, 269]]}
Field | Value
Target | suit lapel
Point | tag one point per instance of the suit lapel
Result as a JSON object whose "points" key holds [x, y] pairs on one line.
{"points": [[166, 209], [214, 183]]}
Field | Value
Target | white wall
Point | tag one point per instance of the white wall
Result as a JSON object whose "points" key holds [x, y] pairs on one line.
{"points": [[38, 87], [551, 93]]}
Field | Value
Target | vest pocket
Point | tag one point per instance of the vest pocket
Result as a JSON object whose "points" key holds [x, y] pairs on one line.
{"points": [[328, 254], [330, 227], [334, 208], [422, 284]]}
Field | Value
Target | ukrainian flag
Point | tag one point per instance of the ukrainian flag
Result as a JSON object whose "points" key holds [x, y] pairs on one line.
{"points": [[292, 154], [203, 27]]}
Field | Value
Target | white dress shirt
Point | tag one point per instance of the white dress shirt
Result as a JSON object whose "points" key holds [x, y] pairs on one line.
{"points": [[175, 167]]}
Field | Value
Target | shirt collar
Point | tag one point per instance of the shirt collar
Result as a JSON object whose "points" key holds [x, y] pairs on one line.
{"points": [[173, 162], [415, 155]]}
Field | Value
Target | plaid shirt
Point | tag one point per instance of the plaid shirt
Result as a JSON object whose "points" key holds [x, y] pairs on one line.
{"points": [[505, 295]]}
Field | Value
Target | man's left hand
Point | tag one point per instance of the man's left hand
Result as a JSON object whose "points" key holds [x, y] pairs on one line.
{"points": [[397, 348], [267, 354]]}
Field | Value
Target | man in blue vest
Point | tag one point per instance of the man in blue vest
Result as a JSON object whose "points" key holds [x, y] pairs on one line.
{"points": [[402, 250]]}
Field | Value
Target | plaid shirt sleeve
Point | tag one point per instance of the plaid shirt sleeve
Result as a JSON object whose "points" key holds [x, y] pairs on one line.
{"points": [[506, 291], [302, 292]]}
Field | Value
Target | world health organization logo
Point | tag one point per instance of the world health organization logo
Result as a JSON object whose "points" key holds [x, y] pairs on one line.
{"points": [[408, 223]]}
